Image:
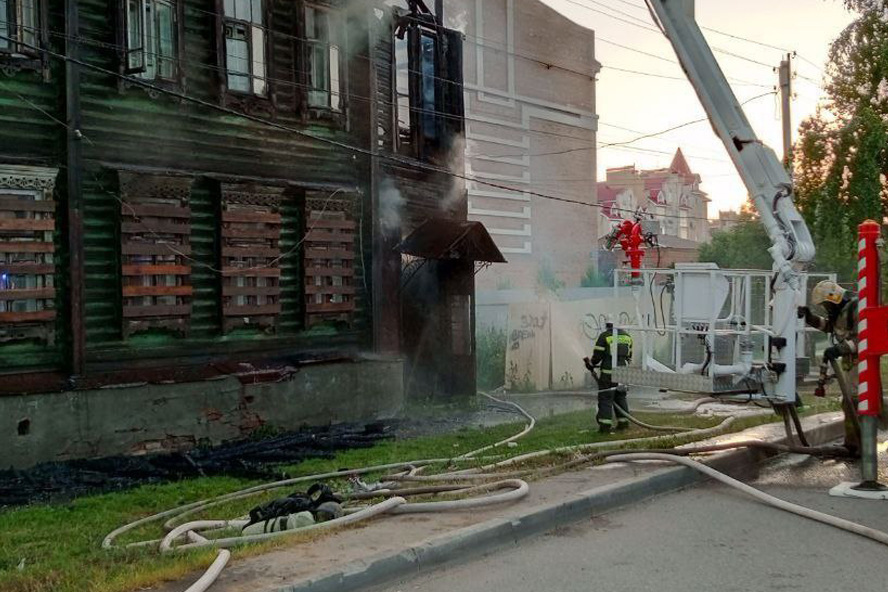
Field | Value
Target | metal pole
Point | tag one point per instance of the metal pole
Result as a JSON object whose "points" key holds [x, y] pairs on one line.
{"points": [[786, 99], [871, 338]]}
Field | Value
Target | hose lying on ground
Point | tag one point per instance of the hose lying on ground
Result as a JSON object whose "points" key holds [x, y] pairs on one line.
{"points": [[847, 525], [648, 426], [182, 535]]}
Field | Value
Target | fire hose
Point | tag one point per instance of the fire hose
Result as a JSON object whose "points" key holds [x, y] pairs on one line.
{"points": [[487, 487]]}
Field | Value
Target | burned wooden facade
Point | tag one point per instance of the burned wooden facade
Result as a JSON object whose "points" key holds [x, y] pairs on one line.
{"points": [[189, 186]]}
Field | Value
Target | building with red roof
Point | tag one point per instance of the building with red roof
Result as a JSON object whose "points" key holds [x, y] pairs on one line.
{"points": [[671, 196]]}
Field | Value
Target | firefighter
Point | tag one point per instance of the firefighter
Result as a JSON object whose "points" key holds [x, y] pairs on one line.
{"points": [[840, 324], [610, 392]]}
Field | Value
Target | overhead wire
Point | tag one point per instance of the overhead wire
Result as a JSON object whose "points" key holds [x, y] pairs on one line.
{"points": [[412, 163], [351, 96]]}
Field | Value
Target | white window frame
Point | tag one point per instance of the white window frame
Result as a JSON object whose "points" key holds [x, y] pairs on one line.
{"points": [[250, 29], [330, 94], [142, 56]]}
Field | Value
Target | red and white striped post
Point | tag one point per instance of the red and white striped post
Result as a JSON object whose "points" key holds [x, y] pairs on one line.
{"points": [[872, 333]]}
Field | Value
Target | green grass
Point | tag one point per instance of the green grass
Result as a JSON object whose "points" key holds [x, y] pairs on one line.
{"points": [[58, 545]]}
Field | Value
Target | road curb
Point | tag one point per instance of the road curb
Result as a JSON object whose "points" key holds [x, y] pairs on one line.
{"points": [[499, 533]]}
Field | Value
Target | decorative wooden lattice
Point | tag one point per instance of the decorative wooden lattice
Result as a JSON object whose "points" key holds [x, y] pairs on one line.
{"points": [[330, 254], [155, 231], [27, 266], [251, 254]]}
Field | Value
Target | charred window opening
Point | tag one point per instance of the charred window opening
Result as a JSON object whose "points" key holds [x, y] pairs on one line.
{"points": [[27, 254], [428, 87], [251, 256], [155, 244], [330, 252]]}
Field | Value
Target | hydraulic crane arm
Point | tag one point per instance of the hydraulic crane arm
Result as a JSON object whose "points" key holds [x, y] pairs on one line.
{"points": [[762, 172]]}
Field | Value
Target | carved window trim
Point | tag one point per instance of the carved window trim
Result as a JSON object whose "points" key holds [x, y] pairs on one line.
{"points": [[155, 233], [251, 256], [27, 254], [330, 255]]}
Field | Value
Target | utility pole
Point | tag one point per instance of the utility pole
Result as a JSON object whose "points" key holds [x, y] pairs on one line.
{"points": [[786, 99]]}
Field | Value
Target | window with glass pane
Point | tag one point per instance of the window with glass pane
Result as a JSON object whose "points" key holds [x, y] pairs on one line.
{"points": [[20, 26], [4, 24], [402, 86], [428, 104], [245, 41], [323, 54], [151, 39], [27, 23]]}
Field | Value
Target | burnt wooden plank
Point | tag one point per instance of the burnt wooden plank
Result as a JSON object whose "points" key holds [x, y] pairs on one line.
{"points": [[248, 216], [156, 211], [251, 291], [156, 270], [245, 232], [329, 271], [27, 268], [26, 247], [45, 224], [242, 252], [11, 204], [320, 224], [330, 307], [131, 248], [27, 317], [25, 294], [134, 291], [329, 290], [323, 236], [154, 227], [249, 311], [141, 312], [315, 253], [260, 272]]}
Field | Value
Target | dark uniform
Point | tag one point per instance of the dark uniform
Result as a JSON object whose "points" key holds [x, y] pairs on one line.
{"points": [[841, 325], [610, 392]]}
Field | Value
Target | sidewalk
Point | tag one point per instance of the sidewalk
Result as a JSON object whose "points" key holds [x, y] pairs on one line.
{"points": [[394, 546]]}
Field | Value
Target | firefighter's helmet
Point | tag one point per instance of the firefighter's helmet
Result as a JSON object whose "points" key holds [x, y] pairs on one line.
{"points": [[827, 291]]}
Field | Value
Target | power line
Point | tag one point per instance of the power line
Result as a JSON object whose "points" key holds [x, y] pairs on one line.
{"points": [[637, 22], [354, 96], [644, 137], [412, 163]]}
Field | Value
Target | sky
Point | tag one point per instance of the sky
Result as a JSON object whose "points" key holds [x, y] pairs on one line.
{"points": [[647, 104]]}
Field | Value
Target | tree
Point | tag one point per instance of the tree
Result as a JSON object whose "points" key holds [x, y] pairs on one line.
{"points": [[745, 246], [842, 152]]}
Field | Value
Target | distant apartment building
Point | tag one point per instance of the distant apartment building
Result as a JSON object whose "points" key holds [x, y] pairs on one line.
{"points": [[531, 129], [671, 196]]}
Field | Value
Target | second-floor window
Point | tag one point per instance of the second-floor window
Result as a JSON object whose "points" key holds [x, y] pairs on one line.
{"points": [[152, 39], [323, 58], [19, 27], [245, 46]]}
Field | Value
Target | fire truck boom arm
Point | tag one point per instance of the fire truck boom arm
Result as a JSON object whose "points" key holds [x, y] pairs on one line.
{"points": [[762, 172], [767, 181]]}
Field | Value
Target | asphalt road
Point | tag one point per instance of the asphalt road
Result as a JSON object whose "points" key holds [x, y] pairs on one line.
{"points": [[706, 538]]}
